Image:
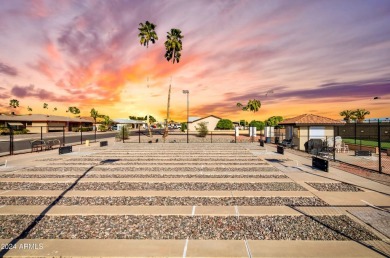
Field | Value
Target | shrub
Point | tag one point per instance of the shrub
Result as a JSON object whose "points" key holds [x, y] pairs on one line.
{"points": [[225, 124], [123, 133], [102, 128], [183, 126], [258, 124], [202, 129]]}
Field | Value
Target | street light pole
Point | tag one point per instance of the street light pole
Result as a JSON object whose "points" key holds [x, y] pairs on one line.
{"points": [[188, 105]]}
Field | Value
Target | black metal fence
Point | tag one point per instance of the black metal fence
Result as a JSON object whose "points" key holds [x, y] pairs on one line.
{"points": [[38, 138]]}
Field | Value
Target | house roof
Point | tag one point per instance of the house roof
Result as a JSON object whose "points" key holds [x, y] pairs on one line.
{"points": [[42, 118], [196, 120], [310, 119]]}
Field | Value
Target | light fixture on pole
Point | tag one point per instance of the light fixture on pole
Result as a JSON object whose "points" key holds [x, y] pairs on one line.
{"points": [[188, 105]]}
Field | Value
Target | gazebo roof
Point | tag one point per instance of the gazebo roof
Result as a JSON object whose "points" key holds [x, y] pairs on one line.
{"points": [[310, 119]]}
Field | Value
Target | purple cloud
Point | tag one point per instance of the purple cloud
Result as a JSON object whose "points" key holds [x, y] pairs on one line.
{"points": [[8, 70], [42, 94]]}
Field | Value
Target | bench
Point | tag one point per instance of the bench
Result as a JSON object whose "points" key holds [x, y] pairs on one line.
{"points": [[53, 143], [38, 145]]}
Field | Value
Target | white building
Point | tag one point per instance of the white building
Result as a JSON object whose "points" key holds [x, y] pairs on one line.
{"points": [[211, 122]]}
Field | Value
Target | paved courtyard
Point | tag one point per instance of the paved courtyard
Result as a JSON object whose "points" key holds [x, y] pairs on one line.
{"points": [[187, 200]]}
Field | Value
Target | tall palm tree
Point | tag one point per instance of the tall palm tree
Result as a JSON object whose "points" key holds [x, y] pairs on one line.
{"points": [[360, 114], [94, 115], [147, 33], [173, 45], [29, 109], [348, 115]]}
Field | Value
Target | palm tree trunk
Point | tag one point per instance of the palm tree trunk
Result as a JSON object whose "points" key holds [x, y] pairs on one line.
{"points": [[169, 103], [148, 122]]}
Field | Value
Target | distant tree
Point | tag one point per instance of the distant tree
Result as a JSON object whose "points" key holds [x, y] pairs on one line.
{"points": [[348, 115], [73, 110], [360, 114], [225, 124], [253, 105], [14, 103], [273, 120], [29, 109], [55, 109], [45, 106], [202, 129], [243, 123], [258, 124]]}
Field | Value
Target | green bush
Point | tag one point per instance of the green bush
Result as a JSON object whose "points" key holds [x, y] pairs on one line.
{"points": [[258, 124], [202, 129], [123, 133], [183, 127], [225, 124], [102, 128]]}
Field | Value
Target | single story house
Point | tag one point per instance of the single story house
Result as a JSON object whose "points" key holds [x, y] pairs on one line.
{"points": [[48, 123], [211, 122], [307, 126], [130, 123]]}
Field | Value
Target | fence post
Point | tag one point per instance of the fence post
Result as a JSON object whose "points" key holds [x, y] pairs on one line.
{"points": [[334, 141], [235, 138], [123, 134], [11, 141], [355, 130], [81, 135], [41, 134], [139, 134], [63, 136], [379, 147], [211, 137]]}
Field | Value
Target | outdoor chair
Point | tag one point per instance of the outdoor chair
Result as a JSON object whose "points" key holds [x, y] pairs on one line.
{"points": [[38, 145]]}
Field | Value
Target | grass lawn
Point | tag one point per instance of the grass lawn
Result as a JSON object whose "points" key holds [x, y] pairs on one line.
{"points": [[384, 145]]}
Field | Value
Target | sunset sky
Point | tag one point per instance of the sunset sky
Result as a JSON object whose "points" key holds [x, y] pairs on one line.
{"points": [[317, 57]]}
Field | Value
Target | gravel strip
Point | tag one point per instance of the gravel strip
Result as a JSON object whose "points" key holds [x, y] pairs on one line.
{"points": [[151, 163], [131, 186], [139, 176], [181, 227], [165, 201], [334, 187], [154, 169]]}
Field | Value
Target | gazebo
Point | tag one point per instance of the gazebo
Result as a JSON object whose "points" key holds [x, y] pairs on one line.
{"points": [[302, 128]]}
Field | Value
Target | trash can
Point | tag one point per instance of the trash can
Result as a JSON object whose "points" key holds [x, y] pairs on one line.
{"points": [[268, 139], [276, 140], [261, 142], [86, 142]]}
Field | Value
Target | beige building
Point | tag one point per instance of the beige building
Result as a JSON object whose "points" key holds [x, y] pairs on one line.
{"points": [[305, 127], [47, 123], [211, 122]]}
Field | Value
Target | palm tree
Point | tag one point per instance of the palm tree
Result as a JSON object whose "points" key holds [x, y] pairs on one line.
{"points": [[252, 105], [360, 114], [348, 115], [94, 115], [147, 33], [173, 45], [29, 109], [13, 103], [55, 109]]}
